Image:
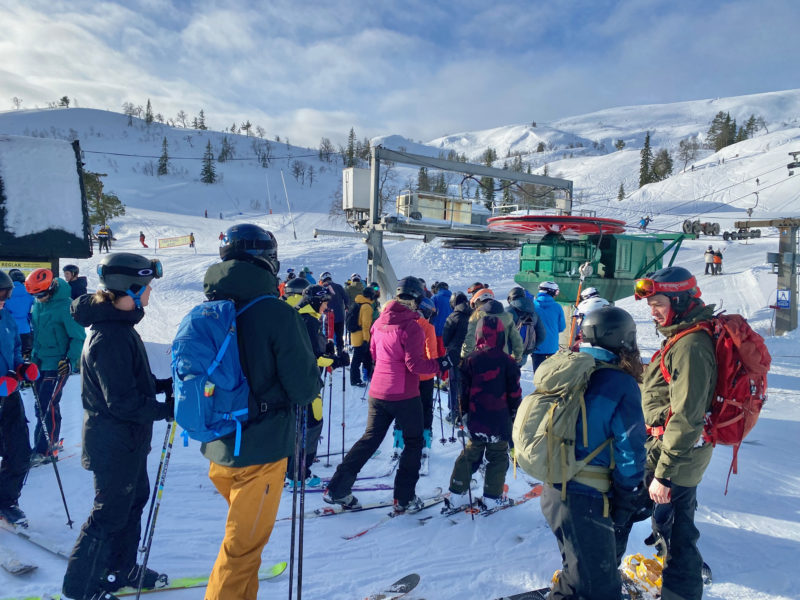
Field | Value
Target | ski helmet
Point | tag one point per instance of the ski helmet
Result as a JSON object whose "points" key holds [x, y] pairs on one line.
{"points": [[475, 287], [355, 277], [443, 285], [71, 269], [39, 282], [370, 293], [6, 286], [128, 273], [326, 276], [295, 286], [410, 288], [549, 287], [16, 275], [482, 295], [251, 242], [515, 293], [592, 304], [676, 283], [458, 298], [590, 292], [611, 328], [315, 295], [427, 308]]}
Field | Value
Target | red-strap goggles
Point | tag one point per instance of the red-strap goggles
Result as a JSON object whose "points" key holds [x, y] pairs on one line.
{"points": [[646, 287]]}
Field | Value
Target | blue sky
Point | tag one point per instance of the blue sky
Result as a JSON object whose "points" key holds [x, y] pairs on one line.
{"points": [[422, 69]]}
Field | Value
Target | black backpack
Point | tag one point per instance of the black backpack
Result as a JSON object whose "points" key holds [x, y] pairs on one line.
{"points": [[351, 323], [527, 331]]}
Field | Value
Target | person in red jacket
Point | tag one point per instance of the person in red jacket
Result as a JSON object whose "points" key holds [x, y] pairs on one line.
{"points": [[398, 345]]}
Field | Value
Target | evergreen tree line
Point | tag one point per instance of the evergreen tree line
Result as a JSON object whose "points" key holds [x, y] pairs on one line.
{"points": [[724, 131], [653, 168]]}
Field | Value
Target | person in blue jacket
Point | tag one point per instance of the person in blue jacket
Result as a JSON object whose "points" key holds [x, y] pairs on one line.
{"points": [[551, 316], [20, 304], [441, 299], [592, 538]]}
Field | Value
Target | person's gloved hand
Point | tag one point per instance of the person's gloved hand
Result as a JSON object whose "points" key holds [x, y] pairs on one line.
{"points": [[325, 361], [330, 348], [64, 367], [316, 408], [169, 404], [8, 384], [343, 359], [630, 506], [164, 386], [27, 371], [445, 363]]}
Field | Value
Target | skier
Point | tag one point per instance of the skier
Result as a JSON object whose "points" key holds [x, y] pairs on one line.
{"points": [[103, 238], [15, 448], [191, 239], [677, 455], [77, 283], [57, 344], [221, 238], [718, 262], [353, 287], [552, 316], [307, 273], [360, 340], [119, 400], [398, 346], [484, 304], [455, 330], [141, 240], [490, 395], [585, 308], [589, 292], [442, 301], [281, 370], [526, 321], [708, 256], [293, 290], [591, 537], [19, 304], [337, 304]]}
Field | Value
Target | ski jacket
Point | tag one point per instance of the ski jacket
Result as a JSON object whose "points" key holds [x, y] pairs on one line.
{"points": [[431, 345], [338, 301], [19, 305], [398, 349], [56, 334], [718, 258], [78, 287], [493, 307], [10, 347], [118, 389], [353, 289], [455, 331], [490, 390], [552, 317], [528, 308], [441, 300], [277, 360], [680, 454], [708, 255], [311, 319], [364, 307]]}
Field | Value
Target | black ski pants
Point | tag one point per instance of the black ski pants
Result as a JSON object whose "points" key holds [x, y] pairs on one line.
{"points": [[15, 449], [587, 543], [338, 335], [50, 411], [426, 396], [361, 356], [408, 414]]}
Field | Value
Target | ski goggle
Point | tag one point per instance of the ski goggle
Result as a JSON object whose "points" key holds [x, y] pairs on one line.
{"points": [[646, 287]]}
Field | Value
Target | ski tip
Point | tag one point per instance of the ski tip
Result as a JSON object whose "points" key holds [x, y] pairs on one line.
{"points": [[278, 568]]}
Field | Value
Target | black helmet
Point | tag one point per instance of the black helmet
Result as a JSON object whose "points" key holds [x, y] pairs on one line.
{"points": [[611, 328], [251, 242], [5, 281], [315, 295], [16, 275], [676, 283], [514, 293], [410, 288], [128, 273], [296, 286], [71, 268], [370, 293], [427, 307], [458, 298], [443, 285]]}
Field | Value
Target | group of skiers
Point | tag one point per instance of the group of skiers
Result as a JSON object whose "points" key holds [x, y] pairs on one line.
{"points": [[713, 260], [399, 351]]}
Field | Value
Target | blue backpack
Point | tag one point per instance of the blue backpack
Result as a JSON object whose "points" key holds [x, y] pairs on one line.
{"points": [[211, 391]]}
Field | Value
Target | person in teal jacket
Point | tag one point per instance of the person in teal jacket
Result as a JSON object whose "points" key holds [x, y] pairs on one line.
{"points": [[57, 345]]}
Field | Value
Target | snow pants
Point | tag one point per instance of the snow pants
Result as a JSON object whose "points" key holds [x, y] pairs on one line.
{"points": [[51, 411], [426, 396], [470, 460], [253, 494], [408, 414], [361, 356], [587, 543], [313, 433], [15, 449]]}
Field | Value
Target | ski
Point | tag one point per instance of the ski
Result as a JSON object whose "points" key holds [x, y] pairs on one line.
{"points": [[336, 509], [378, 487], [398, 589], [12, 563], [540, 594], [34, 538], [534, 492], [433, 500]]}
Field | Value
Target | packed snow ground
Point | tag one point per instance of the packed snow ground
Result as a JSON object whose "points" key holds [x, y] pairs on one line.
{"points": [[751, 537]]}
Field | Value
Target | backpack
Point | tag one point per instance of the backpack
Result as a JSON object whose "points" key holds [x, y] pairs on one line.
{"points": [[527, 331], [741, 390], [211, 391], [545, 427], [352, 322]]}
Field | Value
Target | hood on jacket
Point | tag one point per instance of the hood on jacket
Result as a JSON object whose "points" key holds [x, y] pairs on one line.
{"points": [[492, 307], [86, 312], [490, 332], [239, 281], [524, 304], [395, 313], [362, 299], [307, 309], [62, 293]]}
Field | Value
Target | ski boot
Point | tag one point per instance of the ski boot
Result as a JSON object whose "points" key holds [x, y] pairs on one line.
{"points": [[412, 506], [348, 502], [14, 515]]}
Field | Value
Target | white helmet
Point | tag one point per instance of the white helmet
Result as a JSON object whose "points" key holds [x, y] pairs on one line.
{"points": [[591, 304], [590, 292], [551, 287]]}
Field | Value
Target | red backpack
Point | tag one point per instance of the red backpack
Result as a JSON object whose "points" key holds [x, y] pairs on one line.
{"points": [[742, 365]]}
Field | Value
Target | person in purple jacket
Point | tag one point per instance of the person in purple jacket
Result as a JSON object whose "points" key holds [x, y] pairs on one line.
{"points": [[397, 344]]}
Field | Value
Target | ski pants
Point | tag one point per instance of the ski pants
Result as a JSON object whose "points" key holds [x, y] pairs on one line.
{"points": [[471, 458], [426, 395], [683, 567], [313, 433], [14, 448], [361, 356], [538, 359], [587, 543], [408, 415], [26, 340], [338, 335], [253, 494], [454, 387], [51, 411]]}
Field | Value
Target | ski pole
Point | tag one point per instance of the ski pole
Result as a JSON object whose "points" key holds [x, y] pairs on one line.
{"points": [[170, 425], [152, 531], [302, 506], [52, 456], [441, 418], [585, 270], [295, 472], [330, 409], [461, 434]]}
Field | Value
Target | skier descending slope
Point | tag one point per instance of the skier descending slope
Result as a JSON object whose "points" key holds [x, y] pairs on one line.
{"points": [[119, 397]]}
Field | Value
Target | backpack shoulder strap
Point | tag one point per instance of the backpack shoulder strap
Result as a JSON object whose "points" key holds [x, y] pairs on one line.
{"points": [[253, 301], [706, 326]]}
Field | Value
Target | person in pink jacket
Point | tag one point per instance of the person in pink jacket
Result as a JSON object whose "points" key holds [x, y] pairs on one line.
{"points": [[397, 344]]}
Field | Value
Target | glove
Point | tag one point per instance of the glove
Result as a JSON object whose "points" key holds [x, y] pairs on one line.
{"points": [[631, 506], [316, 408], [343, 359], [325, 361], [28, 371], [169, 407], [64, 367], [8, 384], [164, 386], [445, 364]]}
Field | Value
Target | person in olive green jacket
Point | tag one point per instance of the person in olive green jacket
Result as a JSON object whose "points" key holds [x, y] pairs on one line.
{"points": [[674, 409], [484, 304], [281, 369]]}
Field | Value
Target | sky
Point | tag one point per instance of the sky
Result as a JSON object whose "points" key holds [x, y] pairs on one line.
{"points": [[417, 68]]}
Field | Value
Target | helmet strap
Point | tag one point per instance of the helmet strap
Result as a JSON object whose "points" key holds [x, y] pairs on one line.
{"points": [[136, 296]]}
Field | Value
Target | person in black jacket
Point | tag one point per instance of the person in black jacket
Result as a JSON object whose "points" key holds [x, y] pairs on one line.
{"points": [[453, 334], [119, 399], [77, 283], [338, 305]]}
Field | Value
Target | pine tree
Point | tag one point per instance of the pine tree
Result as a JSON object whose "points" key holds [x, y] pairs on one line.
{"points": [[102, 207], [619, 144], [423, 183], [148, 113], [646, 162], [621, 192], [350, 153], [201, 120], [226, 152], [662, 166], [487, 183], [208, 174], [163, 161]]}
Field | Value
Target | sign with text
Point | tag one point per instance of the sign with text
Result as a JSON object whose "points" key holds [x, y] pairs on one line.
{"points": [[173, 242], [784, 299]]}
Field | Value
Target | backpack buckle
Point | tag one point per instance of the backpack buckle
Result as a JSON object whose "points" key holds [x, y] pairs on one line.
{"points": [[263, 407]]}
